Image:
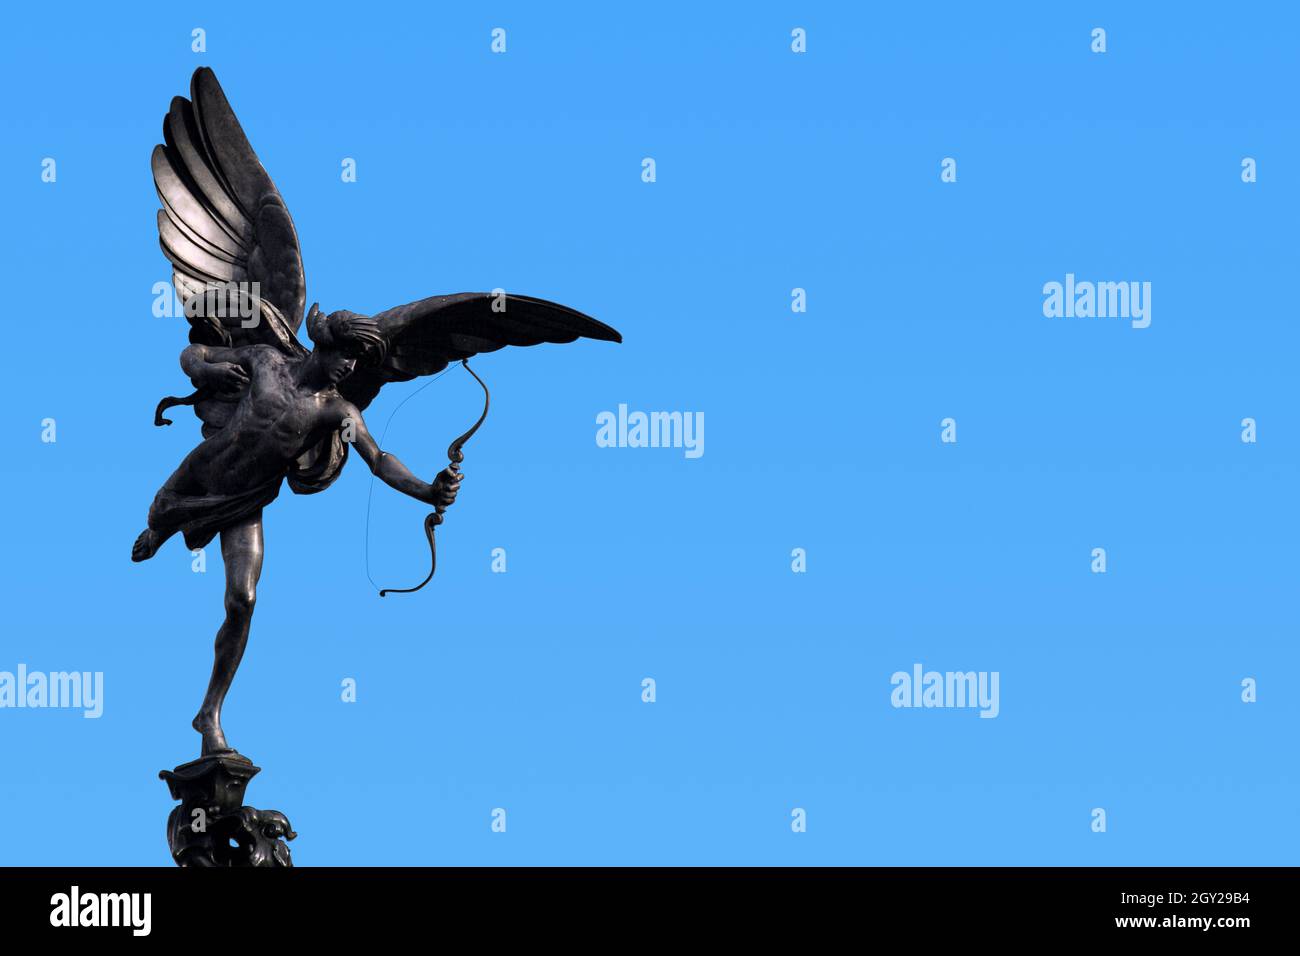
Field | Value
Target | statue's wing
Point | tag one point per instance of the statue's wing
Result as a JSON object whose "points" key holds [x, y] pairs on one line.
{"points": [[223, 222], [425, 337]]}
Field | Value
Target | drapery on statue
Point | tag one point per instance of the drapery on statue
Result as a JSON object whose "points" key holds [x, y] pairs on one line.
{"points": [[271, 409]]}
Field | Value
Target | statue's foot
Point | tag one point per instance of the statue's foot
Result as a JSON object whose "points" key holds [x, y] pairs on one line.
{"points": [[146, 546], [214, 741]]}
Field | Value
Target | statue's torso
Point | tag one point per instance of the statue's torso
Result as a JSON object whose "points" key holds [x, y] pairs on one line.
{"points": [[274, 422]]}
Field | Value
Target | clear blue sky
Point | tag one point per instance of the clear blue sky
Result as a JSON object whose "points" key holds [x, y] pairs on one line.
{"points": [[775, 170]]}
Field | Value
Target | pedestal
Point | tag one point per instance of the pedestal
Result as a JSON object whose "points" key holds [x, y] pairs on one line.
{"points": [[211, 827]]}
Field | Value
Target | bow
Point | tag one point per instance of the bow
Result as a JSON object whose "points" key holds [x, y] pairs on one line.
{"points": [[455, 456]]}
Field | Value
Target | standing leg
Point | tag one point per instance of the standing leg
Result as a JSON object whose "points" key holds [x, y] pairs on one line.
{"points": [[241, 549]]}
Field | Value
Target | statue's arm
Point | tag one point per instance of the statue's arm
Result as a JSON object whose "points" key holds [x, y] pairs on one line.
{"points": [[210, 366], [388, 469]]}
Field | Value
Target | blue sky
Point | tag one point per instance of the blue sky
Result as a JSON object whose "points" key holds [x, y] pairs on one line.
{"points": [[774, 171]]}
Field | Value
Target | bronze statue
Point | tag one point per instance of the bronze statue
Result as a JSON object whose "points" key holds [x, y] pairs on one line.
{"points": [[271, 409]]}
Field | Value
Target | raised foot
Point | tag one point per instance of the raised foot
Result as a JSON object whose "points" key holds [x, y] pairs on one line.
{"points": [[146, 546]]}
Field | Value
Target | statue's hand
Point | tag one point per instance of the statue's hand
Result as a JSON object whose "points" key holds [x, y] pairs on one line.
{"points": [[442, 493], [224, 377]]}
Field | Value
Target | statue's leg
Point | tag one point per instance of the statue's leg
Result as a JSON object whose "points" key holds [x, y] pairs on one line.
{"points": [[162, 525], [241, 549]]}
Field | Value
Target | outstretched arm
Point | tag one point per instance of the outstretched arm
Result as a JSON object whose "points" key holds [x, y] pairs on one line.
{"points": [[441, 491]]}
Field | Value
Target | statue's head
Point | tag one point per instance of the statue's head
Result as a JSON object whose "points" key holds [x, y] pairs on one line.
{"points": [[342, 339]]}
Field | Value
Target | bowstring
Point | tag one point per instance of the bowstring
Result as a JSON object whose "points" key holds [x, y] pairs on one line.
{"points": [[382, 436]]}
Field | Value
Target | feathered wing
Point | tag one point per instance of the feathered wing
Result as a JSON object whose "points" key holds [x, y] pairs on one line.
{"points": [[223, 221], [236, 264], [424, 337]]}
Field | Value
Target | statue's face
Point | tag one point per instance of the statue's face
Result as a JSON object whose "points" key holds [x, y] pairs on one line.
{"points": [[336, 365]]}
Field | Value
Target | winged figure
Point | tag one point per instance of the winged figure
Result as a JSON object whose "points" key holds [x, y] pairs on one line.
{"points": [[273, 410]]}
